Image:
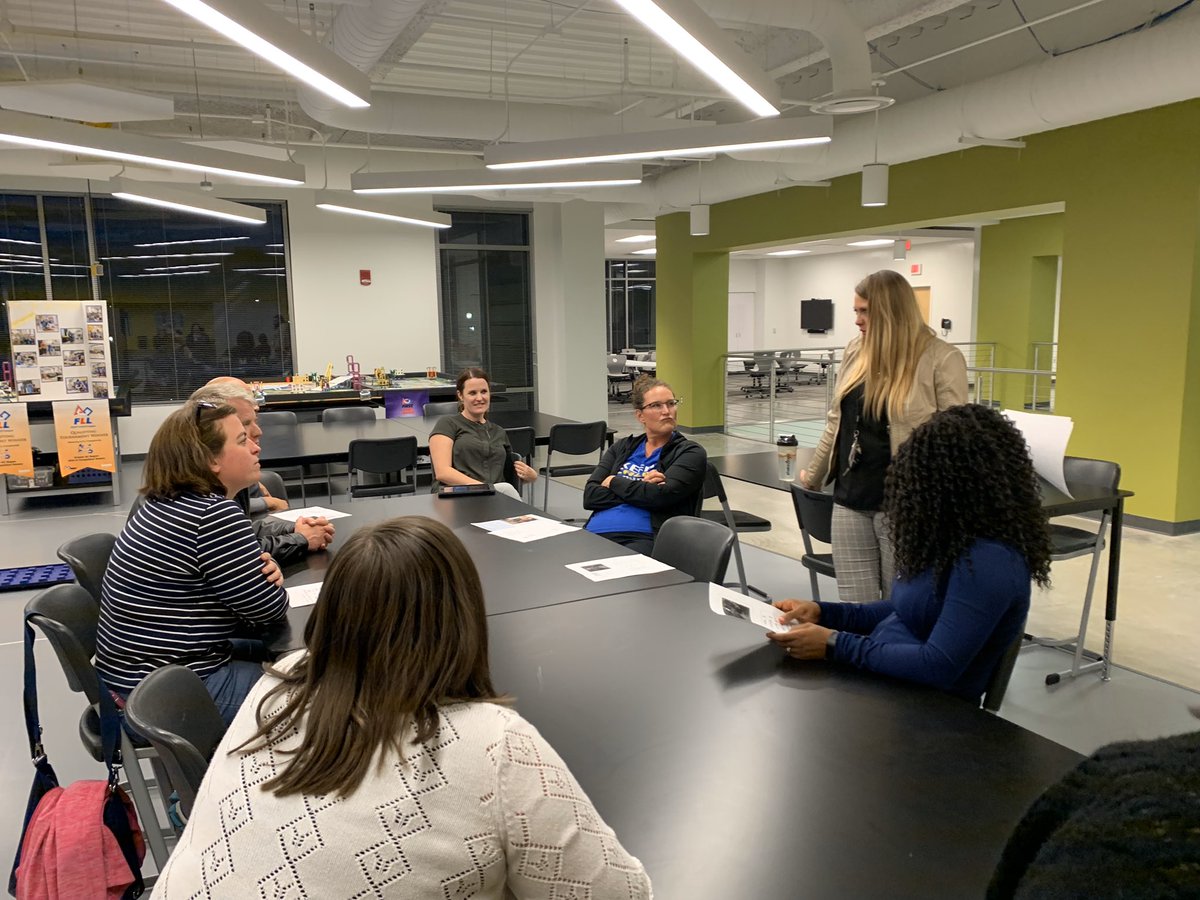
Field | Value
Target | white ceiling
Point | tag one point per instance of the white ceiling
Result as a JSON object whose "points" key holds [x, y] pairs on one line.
{"points": [[585, 54]]}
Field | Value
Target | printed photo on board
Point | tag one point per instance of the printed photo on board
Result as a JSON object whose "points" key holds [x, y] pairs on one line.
{"points": [[72, 335], [99, 370], [77, 385], [28, 388], [74, 358], [47, 323], [48, 348], [23, 336], [96, 350], [95, 313], [99, 388], [52, 373], [95, 332], [24, 358]]}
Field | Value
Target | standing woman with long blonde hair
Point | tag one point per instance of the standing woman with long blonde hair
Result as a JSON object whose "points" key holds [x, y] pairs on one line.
{"points": [[895, 375]]}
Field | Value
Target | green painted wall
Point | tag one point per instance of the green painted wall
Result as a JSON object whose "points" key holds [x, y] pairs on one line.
{"points": [[1018, 271], [1130, 289]]}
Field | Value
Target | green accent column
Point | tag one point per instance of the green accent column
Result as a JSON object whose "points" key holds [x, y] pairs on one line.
{"points": [[692, 318], [1018, 273]]}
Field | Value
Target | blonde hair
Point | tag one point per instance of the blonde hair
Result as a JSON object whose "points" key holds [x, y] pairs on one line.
{"points": [[896, 339]]}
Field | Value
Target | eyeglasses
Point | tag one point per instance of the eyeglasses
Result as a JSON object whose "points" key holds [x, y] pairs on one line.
{"points": [[201, 406], [662, 405]]}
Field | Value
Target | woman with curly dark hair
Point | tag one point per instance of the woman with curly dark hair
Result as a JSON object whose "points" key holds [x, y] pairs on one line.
{"points": [[969, 536]]}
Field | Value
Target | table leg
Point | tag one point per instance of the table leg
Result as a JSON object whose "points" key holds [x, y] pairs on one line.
{"points": [[1114, 577]]}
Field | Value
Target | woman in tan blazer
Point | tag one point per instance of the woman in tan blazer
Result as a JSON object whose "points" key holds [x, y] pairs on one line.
{"points": [[895, 375]]}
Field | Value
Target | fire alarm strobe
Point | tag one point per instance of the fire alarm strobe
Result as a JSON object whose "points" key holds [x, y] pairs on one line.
{"points": [[364, 277]]}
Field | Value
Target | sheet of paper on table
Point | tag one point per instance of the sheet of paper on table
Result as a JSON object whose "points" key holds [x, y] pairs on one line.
{"points": [[303, 594], [618, 567], [1047, 438], [310, 512], [524, 529], [725, 602]]}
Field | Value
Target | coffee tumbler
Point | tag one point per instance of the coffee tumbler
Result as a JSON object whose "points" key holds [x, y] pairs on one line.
{"points": [[786, 447]]}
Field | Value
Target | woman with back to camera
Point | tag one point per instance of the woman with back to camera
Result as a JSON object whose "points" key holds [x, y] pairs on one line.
{"points": [[968, 539], [381, 762], [644, 479], [466, 448], [894, 376], [187, 569]]}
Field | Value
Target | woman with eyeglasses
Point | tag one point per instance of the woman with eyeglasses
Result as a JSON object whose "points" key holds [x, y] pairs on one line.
{"points": [[644, 479], [381, 762], [893, 377], [187, 570]]}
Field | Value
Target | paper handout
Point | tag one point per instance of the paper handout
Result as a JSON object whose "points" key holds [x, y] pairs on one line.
{"points": [[725, 602], [524, 529], [618, 567], [310, 512], [304, 594], [1047, 438]]}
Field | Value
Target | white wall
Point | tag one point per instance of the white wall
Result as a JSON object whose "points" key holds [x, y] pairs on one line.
{"points": [[948, 270]]}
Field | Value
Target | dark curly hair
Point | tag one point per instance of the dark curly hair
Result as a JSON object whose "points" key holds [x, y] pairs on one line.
{"points": [[964, 475]]}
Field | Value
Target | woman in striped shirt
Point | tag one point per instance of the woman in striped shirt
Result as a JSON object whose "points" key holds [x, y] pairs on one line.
{"points": [[187, 571]]}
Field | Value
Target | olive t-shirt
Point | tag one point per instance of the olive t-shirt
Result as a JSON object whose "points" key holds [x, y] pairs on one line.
{"points": [[480, 450]]}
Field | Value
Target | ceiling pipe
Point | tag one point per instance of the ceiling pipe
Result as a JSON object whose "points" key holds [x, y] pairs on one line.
{"points": [[1157, 66], [362, 34]]}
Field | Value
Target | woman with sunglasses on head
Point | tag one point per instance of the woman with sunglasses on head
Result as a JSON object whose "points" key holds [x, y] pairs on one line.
{"points": [[381, 762], [644, 479], [894, 376], [466, 448], [187, 569], [968, 537]]}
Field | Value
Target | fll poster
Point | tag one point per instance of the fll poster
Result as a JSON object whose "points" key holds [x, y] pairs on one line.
{"points": [[84, 432], [16, 448], [60, 349]]}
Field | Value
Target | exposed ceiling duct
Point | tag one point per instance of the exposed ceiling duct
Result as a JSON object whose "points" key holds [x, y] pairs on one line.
{"points": [[1157, 66]]}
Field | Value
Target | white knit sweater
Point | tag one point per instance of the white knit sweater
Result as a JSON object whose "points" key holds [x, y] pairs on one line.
{"points": [[486, 809]]}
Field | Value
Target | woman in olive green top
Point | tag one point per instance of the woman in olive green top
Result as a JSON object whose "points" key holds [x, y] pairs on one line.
{"points": [[468, 449]]}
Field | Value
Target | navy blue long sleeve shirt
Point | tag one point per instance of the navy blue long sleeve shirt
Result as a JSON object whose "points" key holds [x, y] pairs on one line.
{"points": [[949, 636]]}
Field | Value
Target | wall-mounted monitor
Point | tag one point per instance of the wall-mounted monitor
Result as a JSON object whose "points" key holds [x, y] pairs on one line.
{"points": [[816, 315]]}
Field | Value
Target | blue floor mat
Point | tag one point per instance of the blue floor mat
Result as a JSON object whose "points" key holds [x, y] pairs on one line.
{"points": [[26, 578]]}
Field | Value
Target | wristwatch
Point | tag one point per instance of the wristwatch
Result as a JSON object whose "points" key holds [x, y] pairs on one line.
{"points": [[830, 643]]}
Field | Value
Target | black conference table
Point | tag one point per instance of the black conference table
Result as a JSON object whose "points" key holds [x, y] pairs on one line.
{"points": [[762, 468], [731, 770], [515, 576]]}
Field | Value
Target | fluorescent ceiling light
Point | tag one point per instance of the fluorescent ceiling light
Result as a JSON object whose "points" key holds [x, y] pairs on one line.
{"points": [[193, 241], [383, 210], [874, 242], [636, 239], [107, 143], [162, 274], [167, 256], [788, 252], [683, 142], [649, 251], [186, 201], [4, 240], [451, 181], [685, 28], [180, 268], [249, 23]]}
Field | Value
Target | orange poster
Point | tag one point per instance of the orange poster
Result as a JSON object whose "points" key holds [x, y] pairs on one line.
{"points": [[16, 449], [84, 433]]}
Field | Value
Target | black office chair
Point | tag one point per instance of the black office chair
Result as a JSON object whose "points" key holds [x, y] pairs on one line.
{"points": [[343, 414], [694, 546], [814, 515], [273, 482], [997, 684], [735, 521], [281, 419], [439, 409], [389, 458], [172, 709], [523, 442], [68, 616], [1068, 542], [572, 439], [88, 558]]}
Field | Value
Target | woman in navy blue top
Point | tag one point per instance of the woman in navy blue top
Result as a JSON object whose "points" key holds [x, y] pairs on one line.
{"points": [[969, 535]]}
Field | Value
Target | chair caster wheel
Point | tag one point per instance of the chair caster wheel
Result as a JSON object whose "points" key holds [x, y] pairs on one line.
{"points": [[1053, 678]]}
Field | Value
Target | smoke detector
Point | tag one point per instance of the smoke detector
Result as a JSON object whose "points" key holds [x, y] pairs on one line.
{"points": [[206, 185]]}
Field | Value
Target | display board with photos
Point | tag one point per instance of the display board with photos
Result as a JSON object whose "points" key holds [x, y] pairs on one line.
{"points": [[60, 349]]}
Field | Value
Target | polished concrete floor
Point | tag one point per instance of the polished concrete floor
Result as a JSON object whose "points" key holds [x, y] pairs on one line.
{"points": [[1152, 687]]}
